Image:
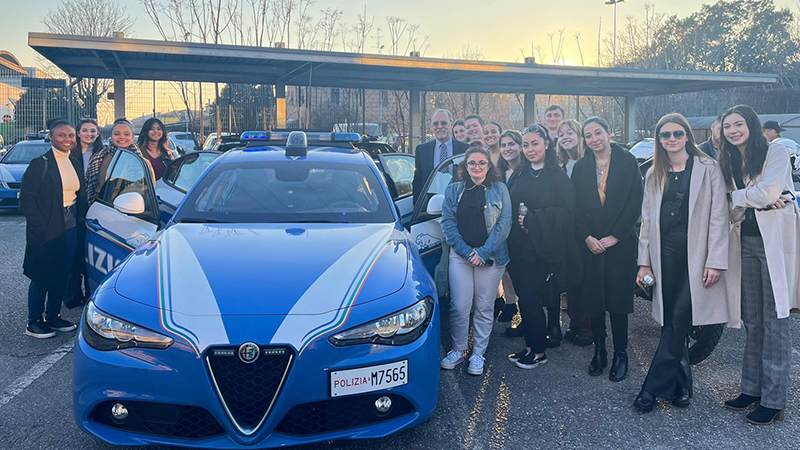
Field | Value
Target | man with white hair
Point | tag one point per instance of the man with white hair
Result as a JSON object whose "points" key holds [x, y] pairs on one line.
{"points": [[429, 154]]}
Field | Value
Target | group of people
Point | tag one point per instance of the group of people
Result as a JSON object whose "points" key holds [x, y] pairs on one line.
{"points": [[57, 190], [561, 211]]}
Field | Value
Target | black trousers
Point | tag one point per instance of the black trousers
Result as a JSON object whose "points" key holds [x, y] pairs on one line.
{"points": [[670, 370], [619, 330], [529, 282]]}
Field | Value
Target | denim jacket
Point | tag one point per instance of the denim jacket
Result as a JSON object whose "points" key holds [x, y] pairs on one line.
{"points": [[498, 223]]}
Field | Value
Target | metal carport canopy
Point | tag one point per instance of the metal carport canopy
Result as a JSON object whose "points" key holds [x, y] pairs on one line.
{"points": [[139, 59]]}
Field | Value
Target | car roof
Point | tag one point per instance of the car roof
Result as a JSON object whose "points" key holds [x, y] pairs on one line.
{"points": [[278, 153]]}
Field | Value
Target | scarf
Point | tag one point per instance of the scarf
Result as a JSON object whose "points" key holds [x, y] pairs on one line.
{"points": [[95, 162]]}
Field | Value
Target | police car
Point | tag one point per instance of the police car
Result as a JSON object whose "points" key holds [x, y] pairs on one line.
{"points": [[13, 165], [283, 302]]}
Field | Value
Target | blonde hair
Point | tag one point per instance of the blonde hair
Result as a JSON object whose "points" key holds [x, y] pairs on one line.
{"points": [[563, 156]]}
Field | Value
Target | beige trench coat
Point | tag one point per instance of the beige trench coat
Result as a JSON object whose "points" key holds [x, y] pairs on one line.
{"points": [[780, 229], [707, 242]]}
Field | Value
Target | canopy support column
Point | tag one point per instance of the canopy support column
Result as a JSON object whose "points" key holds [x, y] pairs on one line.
{"points": [[415, 123], [119, 97], [529, 107], [630, 119]]}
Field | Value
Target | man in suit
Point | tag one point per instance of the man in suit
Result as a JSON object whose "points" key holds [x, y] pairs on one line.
{"points": [[429, 154], [711, 146]]}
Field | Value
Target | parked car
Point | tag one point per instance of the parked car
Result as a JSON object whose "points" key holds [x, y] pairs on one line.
{"points": [[184, 140], [13, 165], [644, 149], [289, 304]]}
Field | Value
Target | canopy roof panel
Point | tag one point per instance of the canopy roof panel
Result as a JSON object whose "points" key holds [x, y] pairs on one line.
{"points": [[139, 59]]}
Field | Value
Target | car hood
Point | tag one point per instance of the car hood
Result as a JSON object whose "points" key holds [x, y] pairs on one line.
{"points": [[265, 269], [12, 172]]}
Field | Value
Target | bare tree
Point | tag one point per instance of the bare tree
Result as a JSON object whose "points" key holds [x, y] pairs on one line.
{"points": [[89, 18]]}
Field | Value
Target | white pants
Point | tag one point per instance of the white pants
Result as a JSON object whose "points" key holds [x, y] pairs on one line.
{"points": [[472, 287]]}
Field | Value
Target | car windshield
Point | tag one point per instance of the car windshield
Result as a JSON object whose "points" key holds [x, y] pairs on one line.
{"points": [[643, 149], [25, 152], [287, 192]]}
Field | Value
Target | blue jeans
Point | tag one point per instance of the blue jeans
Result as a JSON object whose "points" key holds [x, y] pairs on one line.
{"points": [[51, 294]]}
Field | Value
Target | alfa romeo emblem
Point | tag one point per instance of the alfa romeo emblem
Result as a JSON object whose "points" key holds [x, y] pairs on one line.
{"points": [[248, 352]]}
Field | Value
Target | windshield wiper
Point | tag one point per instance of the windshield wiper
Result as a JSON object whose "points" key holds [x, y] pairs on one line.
{"points": [[198, 220]]}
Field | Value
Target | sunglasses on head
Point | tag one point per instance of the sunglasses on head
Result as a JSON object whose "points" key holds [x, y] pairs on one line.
{"points": [[535, 129], [664, 135]]}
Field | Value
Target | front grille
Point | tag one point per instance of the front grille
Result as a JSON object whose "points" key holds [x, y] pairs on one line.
{"points": [[9, 202], [340, 413], [248, 390], [160, 419], [15, 185]]}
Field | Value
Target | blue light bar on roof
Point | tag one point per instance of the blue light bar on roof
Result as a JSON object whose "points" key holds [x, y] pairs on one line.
{"points": [[346, 137], [255, 136]]}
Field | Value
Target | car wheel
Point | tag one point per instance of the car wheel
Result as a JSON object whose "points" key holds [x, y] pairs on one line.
{"points": [[703, 340]]}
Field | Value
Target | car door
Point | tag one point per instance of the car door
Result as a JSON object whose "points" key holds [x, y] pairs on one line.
{"points": [[426, 229], [124, 216], [179, 176], [399, 171]]}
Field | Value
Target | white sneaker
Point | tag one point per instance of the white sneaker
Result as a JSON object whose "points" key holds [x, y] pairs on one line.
{"points": [[475, 365], [452, 359]]}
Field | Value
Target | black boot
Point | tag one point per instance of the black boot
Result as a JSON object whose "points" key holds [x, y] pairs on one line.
{"points": [[600, 359], [682, 397], [645, 402], [619, 366], [742, 402], [508, 313], [499, 304], [554, 336], [764, 416]]}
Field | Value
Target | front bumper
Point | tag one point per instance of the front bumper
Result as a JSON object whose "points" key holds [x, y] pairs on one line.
{"points": [[9, 198], [184, 408]]}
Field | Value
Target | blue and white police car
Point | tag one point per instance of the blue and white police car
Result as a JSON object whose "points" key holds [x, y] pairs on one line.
{"points": [[283, 301]]}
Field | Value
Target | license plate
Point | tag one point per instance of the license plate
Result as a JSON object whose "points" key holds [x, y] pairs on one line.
{"points": [[368, 379]]}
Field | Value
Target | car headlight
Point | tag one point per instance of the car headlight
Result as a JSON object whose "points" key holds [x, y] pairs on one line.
{"points": [[400, 328], [103, 331]]}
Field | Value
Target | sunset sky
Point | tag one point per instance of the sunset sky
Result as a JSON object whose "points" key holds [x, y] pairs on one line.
{"points": [[497, 29]]}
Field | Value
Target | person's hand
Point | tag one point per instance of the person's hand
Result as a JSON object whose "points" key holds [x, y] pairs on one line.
{"points": [[710, 277], [643, 271], [475, 260], [608, 242], [783, 200], [594, 245], [521, 221]]}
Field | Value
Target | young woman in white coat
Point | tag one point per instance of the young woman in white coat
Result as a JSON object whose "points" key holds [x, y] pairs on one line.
{"points": [[683, 246], [764, 260]]}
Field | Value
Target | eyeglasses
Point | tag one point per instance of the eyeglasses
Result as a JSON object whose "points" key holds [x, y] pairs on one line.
{"points": [[664, 135], [481, 163], [443, 123]]}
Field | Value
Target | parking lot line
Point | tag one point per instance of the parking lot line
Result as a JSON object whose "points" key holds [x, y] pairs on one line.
{"points": [[34, 372]]}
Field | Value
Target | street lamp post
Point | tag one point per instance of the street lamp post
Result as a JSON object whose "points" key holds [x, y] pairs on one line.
{"points": [[614, 3]]}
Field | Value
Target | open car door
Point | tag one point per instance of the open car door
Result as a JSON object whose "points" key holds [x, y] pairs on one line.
{"points": [[426, 229], [398, 172], [124, 216]]}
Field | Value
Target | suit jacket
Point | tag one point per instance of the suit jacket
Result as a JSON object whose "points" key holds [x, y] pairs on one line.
{"points": [[41, 199], [707, 241], [423, 161]]}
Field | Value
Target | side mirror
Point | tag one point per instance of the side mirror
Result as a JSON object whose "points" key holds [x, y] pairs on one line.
{"points": [[435, 205], [131, 203]]}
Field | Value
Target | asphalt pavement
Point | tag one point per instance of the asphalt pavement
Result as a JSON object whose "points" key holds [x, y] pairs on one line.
{"points": [[555, 406]]}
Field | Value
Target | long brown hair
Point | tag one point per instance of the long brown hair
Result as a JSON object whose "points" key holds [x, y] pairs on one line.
{"points": [[563, 156], [730, 158], [492, 173], [661, 163]]}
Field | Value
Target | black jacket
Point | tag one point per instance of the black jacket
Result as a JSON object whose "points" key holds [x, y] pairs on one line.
{"points": [[708, 148], [549, 243], [609, 277], [41, 199], [423, 162]]}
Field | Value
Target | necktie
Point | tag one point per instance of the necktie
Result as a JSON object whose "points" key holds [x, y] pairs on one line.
{"points": [[442, 152]]}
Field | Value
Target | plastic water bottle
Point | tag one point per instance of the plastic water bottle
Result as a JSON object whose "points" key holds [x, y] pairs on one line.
{"points": [[523, 211], [648, 280]]}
